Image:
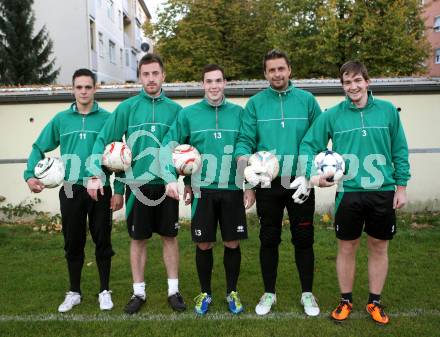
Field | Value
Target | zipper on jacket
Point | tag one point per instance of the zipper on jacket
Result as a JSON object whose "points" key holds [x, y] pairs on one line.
{"points": [[154, 112], [364, 132], [153, 127], [82, 134], [216, 117], [282, 109]]}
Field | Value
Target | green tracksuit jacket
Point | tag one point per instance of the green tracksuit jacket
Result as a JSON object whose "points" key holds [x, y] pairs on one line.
{"points": [[277, 121], [144, 121], [371, 139], [213, 131], [75, 134]]}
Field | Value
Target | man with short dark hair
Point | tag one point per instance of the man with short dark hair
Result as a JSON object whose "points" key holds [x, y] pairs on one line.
{"points": [[144, 120], [75, 131], [368, 131], [212, 126], [275, 120]]}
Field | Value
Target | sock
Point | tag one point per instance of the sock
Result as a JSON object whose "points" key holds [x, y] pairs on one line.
{"points": [[374, 298], [269, 266], [305, 263], [347, 297], [75, 267], [173, 286], [204, 262], [139, 289], [231, 262], [104, 266]]}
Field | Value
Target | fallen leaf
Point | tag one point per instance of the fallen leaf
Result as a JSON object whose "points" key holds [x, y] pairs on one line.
{"points": [[416, 225]]}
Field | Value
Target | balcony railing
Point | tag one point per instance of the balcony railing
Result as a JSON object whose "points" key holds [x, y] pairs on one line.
{"points": [[125, 7], [94, 60], [92, 8], [130, 74]]}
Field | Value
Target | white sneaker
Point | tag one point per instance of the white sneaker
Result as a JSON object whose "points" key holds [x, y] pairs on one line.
{"points": [[310, 305], [72, 298], [265, 304], [105, 300]]}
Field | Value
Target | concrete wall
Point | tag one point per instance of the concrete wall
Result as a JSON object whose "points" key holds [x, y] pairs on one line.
{"points": [[68, 24], [110, 71], [70, 49], [420, 115]]}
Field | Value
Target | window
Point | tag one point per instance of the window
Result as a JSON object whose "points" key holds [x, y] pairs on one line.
{"points": [[437, 56], [92, 35], [121, 57], [101, 44], [120, 20], [133, 60], [110, 10], [127, 58], [112, 51], [437, 24]]}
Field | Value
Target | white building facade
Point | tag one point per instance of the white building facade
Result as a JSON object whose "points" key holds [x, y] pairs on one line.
{"points": [[105, 36]]}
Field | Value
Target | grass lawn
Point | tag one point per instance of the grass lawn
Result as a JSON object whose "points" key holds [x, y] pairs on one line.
{"points": [[33, 279]]}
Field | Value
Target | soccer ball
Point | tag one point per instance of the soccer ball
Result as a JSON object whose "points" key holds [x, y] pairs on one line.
{"points": [[329, 161], [267, 163], [186, 159], [117, 157], [50, 171]]}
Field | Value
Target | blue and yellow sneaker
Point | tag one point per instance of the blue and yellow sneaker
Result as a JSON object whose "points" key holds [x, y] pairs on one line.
{"points": [[234, 303], [202, 303]]}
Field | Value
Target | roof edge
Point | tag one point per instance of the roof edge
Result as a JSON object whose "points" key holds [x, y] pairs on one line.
{"points": [[394, 86]]}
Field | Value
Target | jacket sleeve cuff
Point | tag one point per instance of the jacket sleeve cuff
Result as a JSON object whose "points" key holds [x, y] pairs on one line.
{"points": [[119, 187], [401, 182], [28, 175]]}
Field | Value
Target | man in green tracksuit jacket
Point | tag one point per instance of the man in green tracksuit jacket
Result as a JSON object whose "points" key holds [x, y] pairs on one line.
{"points": [[276, 120], [144, 120], [211, 126], [75, 131], [369, 133]]}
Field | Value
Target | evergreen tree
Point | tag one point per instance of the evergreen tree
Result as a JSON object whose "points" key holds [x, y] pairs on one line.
{"points": [[24, 57]]}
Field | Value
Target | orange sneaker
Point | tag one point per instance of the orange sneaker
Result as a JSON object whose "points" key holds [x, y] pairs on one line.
{"points": [[342, 311], [377, 314]]}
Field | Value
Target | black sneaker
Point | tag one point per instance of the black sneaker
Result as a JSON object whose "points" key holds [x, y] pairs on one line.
{"points": [[134, 305], [176, 302]]}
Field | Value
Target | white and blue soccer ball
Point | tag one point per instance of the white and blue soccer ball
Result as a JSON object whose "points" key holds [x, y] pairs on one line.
{"points": [[330, 162], [50, 171], [266, 163]]}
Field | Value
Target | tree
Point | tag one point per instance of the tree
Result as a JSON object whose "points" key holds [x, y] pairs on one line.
{"points": [[318, 35], [192, 33], [392, 41], [24, 56], [387, 35]]}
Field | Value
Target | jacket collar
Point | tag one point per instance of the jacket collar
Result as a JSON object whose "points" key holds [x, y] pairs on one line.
{"points": [[153, 99], [287, 91], [352, 106], [206, 102], [95, 107]]}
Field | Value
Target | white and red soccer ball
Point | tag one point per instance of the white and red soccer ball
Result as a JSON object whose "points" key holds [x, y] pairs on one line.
{"points": [[186, 159], [117, 157], [50, 171], [330, 162]]}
